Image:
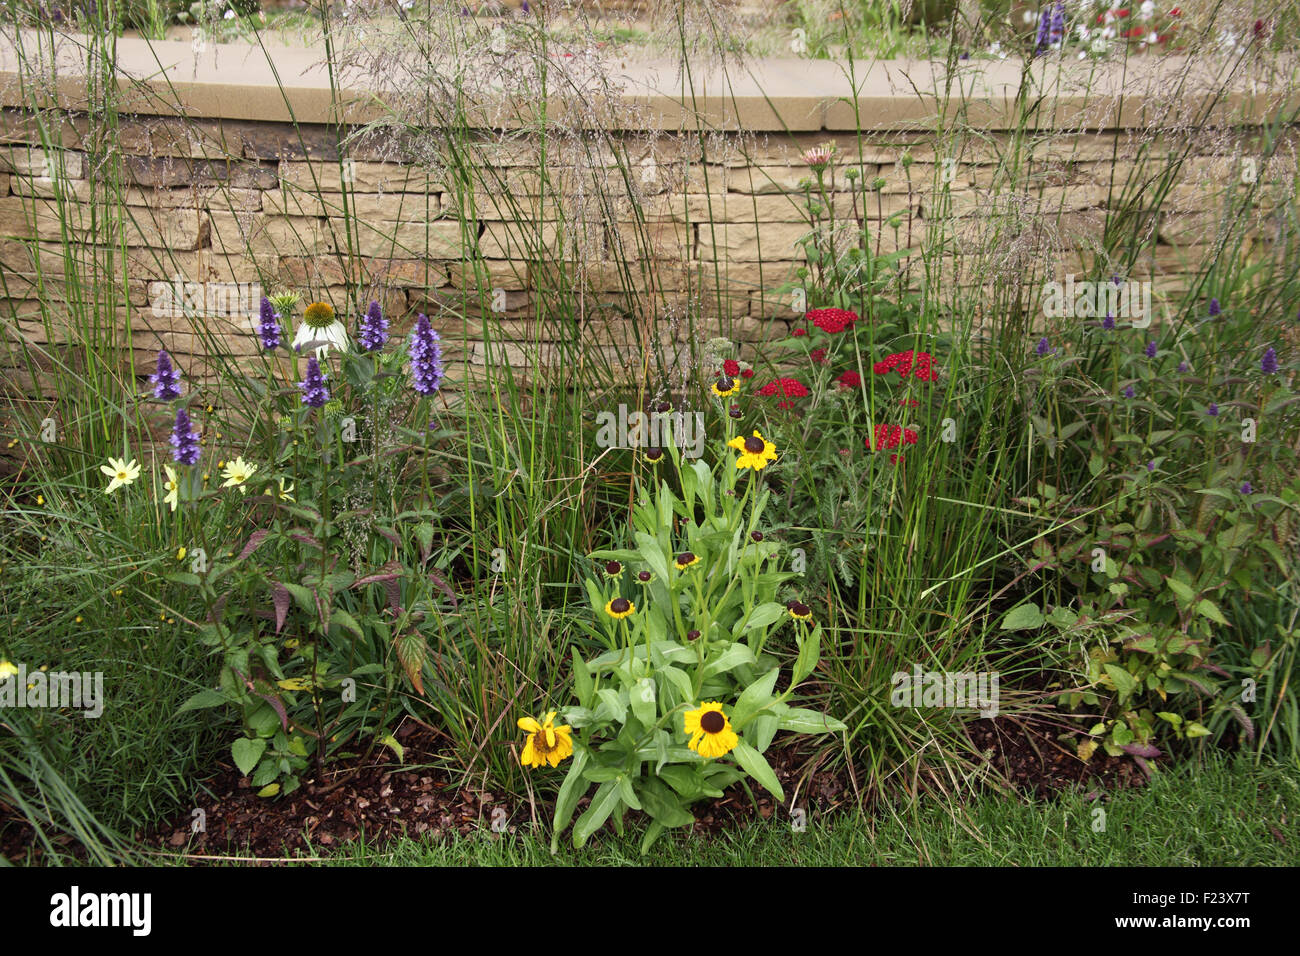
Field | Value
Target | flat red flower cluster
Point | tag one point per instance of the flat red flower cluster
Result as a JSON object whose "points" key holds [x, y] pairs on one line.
{"points": [[832, 321], [818, 356], [731, 368], [902, 362], [849, 379], [889, 436], [789, 387]]}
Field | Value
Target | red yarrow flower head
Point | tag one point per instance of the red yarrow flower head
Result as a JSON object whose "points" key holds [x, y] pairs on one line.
{"points": [[798, 332], [889, 436], [832, 321], [788, 387], [818, 356], [747, 373], [849, 379], [907, 363], [785, 405], [731, 368]]}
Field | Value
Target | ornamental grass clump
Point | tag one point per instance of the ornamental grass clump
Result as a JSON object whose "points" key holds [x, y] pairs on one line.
{"points": [[683, 702]]}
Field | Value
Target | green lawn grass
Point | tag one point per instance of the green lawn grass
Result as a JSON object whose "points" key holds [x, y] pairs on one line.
{"points": [[1216, 812]]}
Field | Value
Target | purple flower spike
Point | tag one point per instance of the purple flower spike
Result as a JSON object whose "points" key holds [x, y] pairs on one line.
{"points": [[1214, 308], [1212, 410], [1151, 466], [426, 357], [166, 381], [1151, 350], [1268, 364], [184, 440], [373, 332], [1056, 30], [1108, 323], [1183, 366], [1043, 348], [314, 392], [1129, 391], [1246, 489], [268, 328]]}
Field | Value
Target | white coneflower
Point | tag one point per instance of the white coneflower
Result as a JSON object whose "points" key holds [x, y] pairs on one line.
{"points": [[322, 330]]}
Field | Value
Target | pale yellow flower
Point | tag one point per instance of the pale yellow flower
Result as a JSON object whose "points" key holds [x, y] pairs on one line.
{"points": [[7, 670], [122, 473], [173, 487], [236, 473]]}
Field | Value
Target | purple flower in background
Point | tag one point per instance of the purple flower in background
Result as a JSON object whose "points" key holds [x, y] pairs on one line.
{"points": [[1151, 466], [1214, 308], [1056, 31], [1246, 488], [525, 8], [1212, 410], [184, 440], [1128, 391], [314, 392], [1268, 364], [1044, 29], [166, 381], [1116, 280], [373, 332], [426, 357], [1108, 323], [268, 329], [1183, 366], [1151, 350], [1043, 348]]}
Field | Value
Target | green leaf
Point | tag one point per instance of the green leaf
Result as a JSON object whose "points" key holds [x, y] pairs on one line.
{"points": [[809, 653], [204, 698], [653, 555], [1181, 590], [605, 800], [1125, 683], [757, 767], [614, 702], [270, 790], [662, 805], [582, 683], [627, 792], [247, 753], [754, 697], [571, 791], [1197, 730], [343, 619], [643, 704], [804, 721], [1207, 608], [1022, 618], [733, 656], [765, 615]]}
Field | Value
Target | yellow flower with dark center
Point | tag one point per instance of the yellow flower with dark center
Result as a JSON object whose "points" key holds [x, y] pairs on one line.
{"points": [[710, 730], [725, 386], [619, 607], [755, 451], [686, 559], [654, 455], [613, 569], [799, 611], [546, 743]]}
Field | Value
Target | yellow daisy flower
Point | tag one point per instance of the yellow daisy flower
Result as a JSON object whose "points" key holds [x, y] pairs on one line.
{"points": [[236, 473], [40, 500], [619, 607], [180, 553], [7, 670], [173, 487], [122, 473], [710, 730], [686, 559], [725, 386], [755, 452], [284, 493], [546, 743]]}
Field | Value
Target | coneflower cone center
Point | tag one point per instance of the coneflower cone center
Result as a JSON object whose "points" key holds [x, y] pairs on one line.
{"points": [[754, 445], [620, 605], [712, 722]]}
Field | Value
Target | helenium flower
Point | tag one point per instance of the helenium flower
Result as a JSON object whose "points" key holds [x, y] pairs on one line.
{"points": [[314, 392], [373, 331], [166, 380], [268, 328], [184, 440]]}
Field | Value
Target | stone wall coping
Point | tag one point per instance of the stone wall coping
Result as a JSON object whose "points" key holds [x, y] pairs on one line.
{"points": [[243, 81]]}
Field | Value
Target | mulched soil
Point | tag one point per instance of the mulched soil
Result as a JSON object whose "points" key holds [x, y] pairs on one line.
{"points": [[383, 800]]}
